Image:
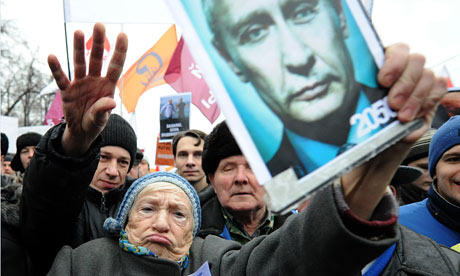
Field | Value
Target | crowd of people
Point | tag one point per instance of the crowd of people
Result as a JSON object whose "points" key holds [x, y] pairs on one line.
{"points": [[82, 201]]}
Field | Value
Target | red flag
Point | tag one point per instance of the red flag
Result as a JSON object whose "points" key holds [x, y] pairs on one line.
{"points": [[184, 75], [148, 71], [55, 115]]}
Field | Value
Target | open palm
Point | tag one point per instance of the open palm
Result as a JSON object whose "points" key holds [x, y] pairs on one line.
{"points": [[88, 100]]}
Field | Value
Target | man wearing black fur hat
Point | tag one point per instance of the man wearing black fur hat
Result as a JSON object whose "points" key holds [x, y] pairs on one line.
{"points": [[238, 212], [25, 148]]}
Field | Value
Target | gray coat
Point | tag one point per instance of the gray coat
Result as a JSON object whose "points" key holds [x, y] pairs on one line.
{"points": [[307, 244]]}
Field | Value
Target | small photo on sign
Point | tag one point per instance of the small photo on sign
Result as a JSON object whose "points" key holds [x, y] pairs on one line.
{"points": [[174, 115]]}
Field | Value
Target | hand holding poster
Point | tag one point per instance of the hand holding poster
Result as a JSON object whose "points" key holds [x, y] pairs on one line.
{"points": [[296, 81]]}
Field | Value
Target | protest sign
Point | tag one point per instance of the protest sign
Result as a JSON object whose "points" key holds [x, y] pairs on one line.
{"points": [[174, 115], [297, 83]]}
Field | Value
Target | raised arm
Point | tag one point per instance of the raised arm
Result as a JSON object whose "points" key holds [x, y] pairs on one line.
{"points": [[66, 158], [415, 92]]}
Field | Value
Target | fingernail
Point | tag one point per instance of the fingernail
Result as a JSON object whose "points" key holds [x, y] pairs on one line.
{"points": [[388, 79], [408, 114], [398, 101]]}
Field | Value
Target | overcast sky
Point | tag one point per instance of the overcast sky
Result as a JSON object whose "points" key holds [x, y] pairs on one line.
{"points": [[429, 27]]}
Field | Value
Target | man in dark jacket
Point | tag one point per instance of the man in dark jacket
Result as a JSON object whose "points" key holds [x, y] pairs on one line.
{"points": [[49, 175], [238, 212], [109, 182]]}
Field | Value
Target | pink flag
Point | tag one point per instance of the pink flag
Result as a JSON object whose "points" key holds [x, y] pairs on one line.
{"points": [[55, 115], [445, 73], [184, 75]]}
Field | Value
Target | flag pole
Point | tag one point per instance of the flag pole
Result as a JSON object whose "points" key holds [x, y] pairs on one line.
{"points": [[121, 90], [66, 43]]}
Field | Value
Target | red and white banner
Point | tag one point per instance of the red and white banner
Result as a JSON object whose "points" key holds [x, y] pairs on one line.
{"points": [[184, 75]]}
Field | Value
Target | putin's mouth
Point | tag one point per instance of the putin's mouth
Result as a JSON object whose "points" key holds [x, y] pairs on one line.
{"points": [[317, 90]]}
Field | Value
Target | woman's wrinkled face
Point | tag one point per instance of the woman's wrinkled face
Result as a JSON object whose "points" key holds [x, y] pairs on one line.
{"points": [[161, 220]]}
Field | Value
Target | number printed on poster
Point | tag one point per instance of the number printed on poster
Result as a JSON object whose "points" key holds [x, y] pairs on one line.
{"points": [[373, 117]]}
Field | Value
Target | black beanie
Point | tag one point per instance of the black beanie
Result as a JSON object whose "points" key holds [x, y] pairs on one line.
{"points": [[25, 140], [5, 144], [218, 145], [118, 132]]}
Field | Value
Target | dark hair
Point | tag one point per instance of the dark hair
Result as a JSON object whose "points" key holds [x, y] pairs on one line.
{"points": [[138, 157], [5, 144], [195, 133], [218, 145]]}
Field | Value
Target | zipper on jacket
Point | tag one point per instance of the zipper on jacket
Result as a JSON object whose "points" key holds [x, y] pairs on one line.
{"points": [[103, 208]]}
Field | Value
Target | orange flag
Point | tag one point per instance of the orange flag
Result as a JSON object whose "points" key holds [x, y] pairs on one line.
{"points": [[148, 71]]}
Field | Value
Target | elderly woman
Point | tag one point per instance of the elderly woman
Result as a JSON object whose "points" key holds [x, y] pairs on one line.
{"points": [[155, 234]]}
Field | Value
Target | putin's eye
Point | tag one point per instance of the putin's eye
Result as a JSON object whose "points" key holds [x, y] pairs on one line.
{"points": [[253, 33], [303, 13]]}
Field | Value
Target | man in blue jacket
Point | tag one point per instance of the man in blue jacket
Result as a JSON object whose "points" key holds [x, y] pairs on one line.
{"points": [[438, 216]]}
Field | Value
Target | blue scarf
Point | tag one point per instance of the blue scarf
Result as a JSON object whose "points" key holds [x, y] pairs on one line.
{"points": [[444, 211]]}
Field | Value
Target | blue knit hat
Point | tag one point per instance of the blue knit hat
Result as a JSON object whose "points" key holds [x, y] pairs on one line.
{"points": [[113, 226], [447, 136]]}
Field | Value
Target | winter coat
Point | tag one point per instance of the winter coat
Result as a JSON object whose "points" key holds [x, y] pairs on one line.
{"points": [[416, 255], [15, 260], [97, 207], [57, 204]]}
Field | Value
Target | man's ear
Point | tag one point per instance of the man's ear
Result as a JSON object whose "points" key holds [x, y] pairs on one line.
{"points": [[211, 180], [224, 54], [393, 190]]}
